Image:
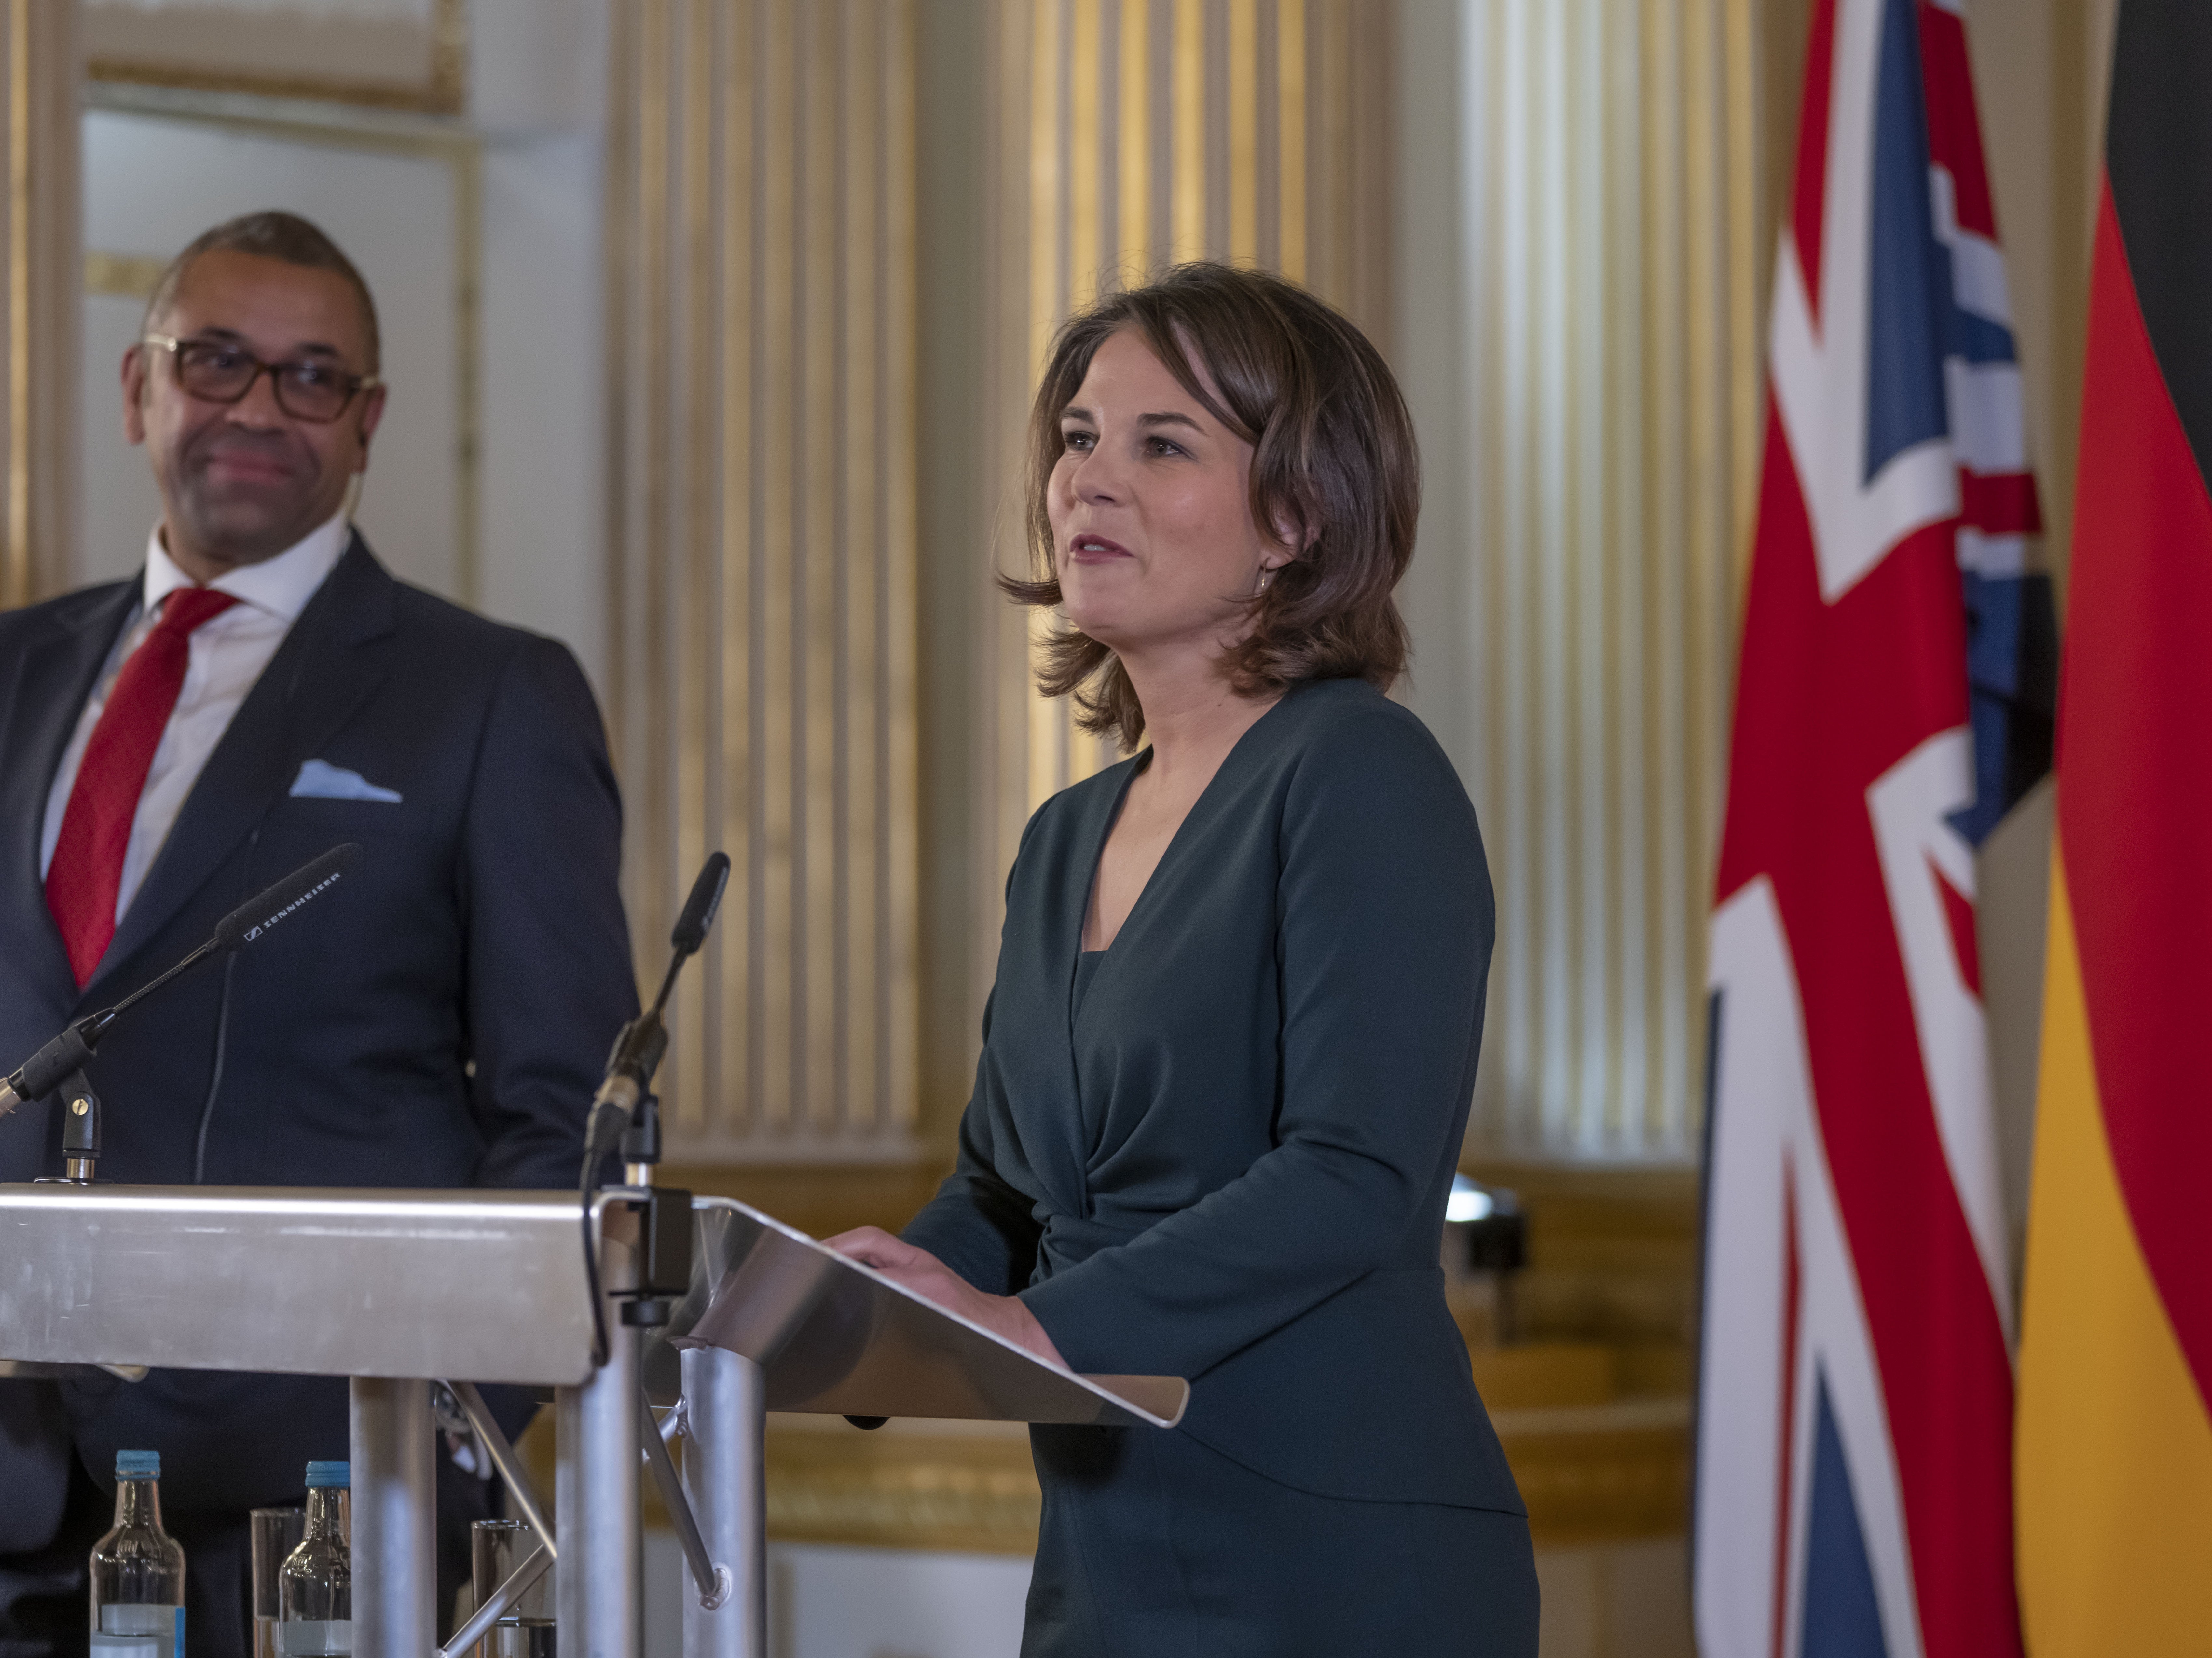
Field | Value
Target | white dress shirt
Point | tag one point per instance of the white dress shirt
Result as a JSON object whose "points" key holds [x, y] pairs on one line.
{"points": [[227, 654]]}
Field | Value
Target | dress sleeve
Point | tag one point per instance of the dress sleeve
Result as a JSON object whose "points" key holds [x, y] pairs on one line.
{"points": [[978, 1224], [1383, 938]]}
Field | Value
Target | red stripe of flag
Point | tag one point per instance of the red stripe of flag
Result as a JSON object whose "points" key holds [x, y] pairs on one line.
{"points": [[2135, 789], [1999, 503], [1808, 208], [1954, 131], [1830, 696]]}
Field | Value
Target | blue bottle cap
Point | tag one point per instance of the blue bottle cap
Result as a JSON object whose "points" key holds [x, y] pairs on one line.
{"points": [[137, 1465], [324, 1475]]}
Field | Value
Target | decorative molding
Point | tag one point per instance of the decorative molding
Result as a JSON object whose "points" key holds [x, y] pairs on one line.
{"points": [[967, 1486], [1126, 135], [1589, 1473], [1601, 1473], [761, 328], [40, 341], [1613, 1260], [122, 276], [412, 56]]}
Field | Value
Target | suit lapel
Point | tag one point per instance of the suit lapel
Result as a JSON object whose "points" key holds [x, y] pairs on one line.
{"points": [[335, 657], [42, 697]]}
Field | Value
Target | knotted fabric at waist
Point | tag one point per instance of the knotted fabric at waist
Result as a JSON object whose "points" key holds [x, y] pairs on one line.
{"points": [[1069, 1240]]}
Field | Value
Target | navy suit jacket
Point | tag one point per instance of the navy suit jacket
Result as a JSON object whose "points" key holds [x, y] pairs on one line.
{"points": [[439, 1018], [1230, 1162]]}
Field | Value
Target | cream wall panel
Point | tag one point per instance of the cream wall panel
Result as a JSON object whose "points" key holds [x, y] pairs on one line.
{"points": [[541, 556], [761, 517]]}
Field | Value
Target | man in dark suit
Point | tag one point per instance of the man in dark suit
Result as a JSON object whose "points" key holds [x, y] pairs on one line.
{"points": [[170, 744]]}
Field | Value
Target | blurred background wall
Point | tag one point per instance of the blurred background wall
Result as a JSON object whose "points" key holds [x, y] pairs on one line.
{"points": [[712, 325]]}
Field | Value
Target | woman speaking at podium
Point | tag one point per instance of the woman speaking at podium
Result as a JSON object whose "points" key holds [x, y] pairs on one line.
{"points": [[1228, 1060]]}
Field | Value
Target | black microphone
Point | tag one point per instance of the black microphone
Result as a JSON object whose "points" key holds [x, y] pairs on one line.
{"points": [[45, 1070], [699, 912], [253, 918], [642, 1042]]}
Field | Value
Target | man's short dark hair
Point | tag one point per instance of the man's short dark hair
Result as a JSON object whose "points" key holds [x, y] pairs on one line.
{"points": [[271, 235]]}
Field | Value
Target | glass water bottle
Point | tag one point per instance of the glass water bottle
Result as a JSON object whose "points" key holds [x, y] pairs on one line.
{"points": [[314, 1591], [137, 1570]]}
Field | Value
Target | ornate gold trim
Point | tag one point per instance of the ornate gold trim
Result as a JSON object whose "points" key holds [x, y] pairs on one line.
{"points": [[122, 275], [1589, 1473], [21, 554], [942, 1488], [444, 92], [1604, 1473], [39, 427], [762, 518], [1615, 413]]}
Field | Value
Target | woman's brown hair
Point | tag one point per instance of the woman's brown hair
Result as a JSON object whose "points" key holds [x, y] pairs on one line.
{"points": [[1333, 461]]}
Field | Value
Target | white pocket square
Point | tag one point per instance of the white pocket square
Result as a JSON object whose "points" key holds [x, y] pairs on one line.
{"points": [[318, 780]]}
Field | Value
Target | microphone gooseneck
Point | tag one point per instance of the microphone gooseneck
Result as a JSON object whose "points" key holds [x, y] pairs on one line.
{"points": [[642, 1042], [623, 1112], [47, 1070]]}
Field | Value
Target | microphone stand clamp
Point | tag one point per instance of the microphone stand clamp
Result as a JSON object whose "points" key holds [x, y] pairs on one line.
{"points": [[640, 1142], [79, 1133]]}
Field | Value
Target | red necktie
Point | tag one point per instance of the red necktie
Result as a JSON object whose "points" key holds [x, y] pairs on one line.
{"points": [[86, 871]]}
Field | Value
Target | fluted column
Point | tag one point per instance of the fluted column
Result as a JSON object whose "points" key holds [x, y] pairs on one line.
{"points": [[760, 322], [1622, 238], [43, 281]]}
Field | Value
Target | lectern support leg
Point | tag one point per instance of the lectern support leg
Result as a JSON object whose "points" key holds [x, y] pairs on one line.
{"points": [[395, 1520], [725, 1405], [595, 1519]]}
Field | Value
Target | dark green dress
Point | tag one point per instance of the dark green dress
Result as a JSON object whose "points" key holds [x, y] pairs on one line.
{"points": [[1221, 1151]]}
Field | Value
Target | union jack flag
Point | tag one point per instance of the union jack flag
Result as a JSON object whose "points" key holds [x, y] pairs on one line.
{"points": [[1894, 699]]}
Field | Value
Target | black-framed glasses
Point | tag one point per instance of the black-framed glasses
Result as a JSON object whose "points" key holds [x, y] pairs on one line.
{"points": [[217, 372]]}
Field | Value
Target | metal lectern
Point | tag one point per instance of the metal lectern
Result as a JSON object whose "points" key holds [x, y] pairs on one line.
{"points": [[402, 1290]]}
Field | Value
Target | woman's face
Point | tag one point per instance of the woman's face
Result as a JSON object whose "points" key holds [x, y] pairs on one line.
{"points": [[1150, 501]]}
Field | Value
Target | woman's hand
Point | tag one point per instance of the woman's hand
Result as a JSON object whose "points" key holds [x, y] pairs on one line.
{"points": [[932, 1280]]}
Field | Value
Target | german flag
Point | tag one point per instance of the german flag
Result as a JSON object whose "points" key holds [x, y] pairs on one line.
{"points": [[2114, 1475]]}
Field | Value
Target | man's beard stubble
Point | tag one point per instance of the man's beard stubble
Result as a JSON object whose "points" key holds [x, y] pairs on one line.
{"points": [[244, 523]]}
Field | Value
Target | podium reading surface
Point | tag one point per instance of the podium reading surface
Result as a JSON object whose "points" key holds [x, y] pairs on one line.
{"points": [[393, 1289], [835, 1337]]}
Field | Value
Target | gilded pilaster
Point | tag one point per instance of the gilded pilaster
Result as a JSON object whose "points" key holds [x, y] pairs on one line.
{"points": [[44, 277], [1616, 301], [762, 523]]}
